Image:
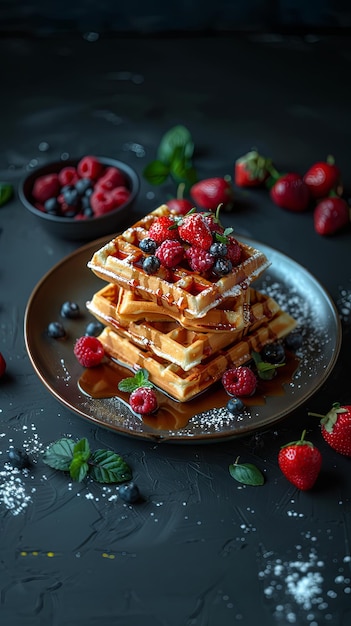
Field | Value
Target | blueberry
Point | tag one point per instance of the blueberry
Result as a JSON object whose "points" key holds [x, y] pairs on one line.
{"points": [[222, 266], [71, 196], [151, 264], [56, 330], [273, 353], [218, 249], [82, 185], [294, 340], [129, 493], [235, 405], [94, 329], [18, 458], [70, 310], [52, 206], [88, 211], [148, 245]]}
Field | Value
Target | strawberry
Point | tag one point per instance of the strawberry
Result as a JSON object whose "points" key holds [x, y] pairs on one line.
{"points": [[291, 192], [331, 215], [211, 192], [163, 228], [322, 178], [2, 365], [194, 229], [336, 428], [300, 461], [179, 206], [251, 170]]}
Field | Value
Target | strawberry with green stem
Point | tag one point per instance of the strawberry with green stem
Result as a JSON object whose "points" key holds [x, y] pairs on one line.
{"points": [[179, 205], [300, 462], [323, 177], [252, 169], [336, 427]]}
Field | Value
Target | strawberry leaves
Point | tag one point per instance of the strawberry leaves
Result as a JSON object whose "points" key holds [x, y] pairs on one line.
{"points": [[103, 466]]}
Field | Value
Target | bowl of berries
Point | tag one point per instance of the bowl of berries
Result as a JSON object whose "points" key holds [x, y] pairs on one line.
{"points": [[81, 199]]}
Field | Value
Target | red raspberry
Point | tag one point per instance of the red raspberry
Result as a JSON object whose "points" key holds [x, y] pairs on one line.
{"points": [[68, 176], [46, 187], [163, 228], [143, 400], [194, 230], [111, 178], [89, 351], [234, 251], [2, 365], [170, 253], [198, 259], [119, 196], [239, 381], [101, 202], [90, 167]]}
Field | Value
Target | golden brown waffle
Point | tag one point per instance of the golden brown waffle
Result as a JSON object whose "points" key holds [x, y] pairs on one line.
{"points": [[184, 385], [126, 306], [179, 289]]}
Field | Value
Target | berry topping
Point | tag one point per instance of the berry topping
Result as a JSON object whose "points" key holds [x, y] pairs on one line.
{"points": [[219, 249], [143, 400], [93, 329], [148, 245], [163, 228], [239, 381], [274, 352], [222, 266], [89, 351], [234, 250], [151, 264], [199, 260], [2, 365], [70, 310], [56, 330], [235, 405], [129, 493], [170, 253], [194, 230]]}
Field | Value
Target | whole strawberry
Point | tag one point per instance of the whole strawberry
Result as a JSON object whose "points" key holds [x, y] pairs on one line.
{"points": [[179, 206], [331, 215], [300, 461], [2, 365], [322, 178], [194, 229], [291, 192], [163, 228], [251, 170], [336, 428], [211, 192]]}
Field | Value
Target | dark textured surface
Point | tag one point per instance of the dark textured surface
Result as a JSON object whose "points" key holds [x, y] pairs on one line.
{"points": [[200, 549]]}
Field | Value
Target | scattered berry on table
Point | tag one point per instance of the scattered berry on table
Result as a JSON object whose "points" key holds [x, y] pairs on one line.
{"points": [[70, 310], [211, 192], [89, 351], [239, 381], [235, 405], [151, 264], [170, 253], [322, 178], [251, 170], [274, 352], [148, 245], [129, 493], [143, 400], [291, 192], [94, 328], [336, 428], [18, 458], [199, 260], [179, 206], [2, 365], [56, 330], [300, 462], [331, 215]]}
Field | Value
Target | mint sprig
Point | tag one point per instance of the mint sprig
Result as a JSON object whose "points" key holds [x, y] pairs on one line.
{"points": [[103, 466], [6, 191], [140, 379], [246, 473], [265, 370], [173, 159]]}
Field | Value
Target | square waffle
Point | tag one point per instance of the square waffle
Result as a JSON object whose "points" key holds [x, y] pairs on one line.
{"points": [[180, 289], [184, 385]]}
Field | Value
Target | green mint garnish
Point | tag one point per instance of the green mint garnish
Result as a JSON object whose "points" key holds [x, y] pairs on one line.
{"points": [[246, 473], [140, 379], [103, 466], [265, 370], [6, 191]]}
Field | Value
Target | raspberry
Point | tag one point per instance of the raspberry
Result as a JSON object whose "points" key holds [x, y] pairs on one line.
{"points": [[198, 259], [68, 176], [239, 381], [90, 167], [46, 187], [233, 251], [170, 253], [194, 230], [101, 202], [119, 196], [163, 228], [2, 365], [111, 178], [143, 400], [89, 351]]}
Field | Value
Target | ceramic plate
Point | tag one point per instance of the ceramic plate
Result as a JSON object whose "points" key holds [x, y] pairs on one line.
{"points": [[204, 419]]}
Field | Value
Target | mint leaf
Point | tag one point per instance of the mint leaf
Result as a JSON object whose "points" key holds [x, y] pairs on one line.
{"points": [[156, 172], [265, 370], [176, 137], [59, 454], [109, 467], [78, 468], [140, 379], [82, 449], [247, 474], [6, 191]]}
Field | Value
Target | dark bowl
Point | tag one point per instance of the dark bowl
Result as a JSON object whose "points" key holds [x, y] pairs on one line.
{"points": [[80, 229]]}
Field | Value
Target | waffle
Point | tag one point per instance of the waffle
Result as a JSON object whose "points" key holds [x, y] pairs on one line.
{"points": [[126, 306], [180, 289], [184, 385]]}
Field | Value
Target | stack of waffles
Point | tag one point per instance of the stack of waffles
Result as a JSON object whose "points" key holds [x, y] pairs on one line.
{"points": [[184, 327]]}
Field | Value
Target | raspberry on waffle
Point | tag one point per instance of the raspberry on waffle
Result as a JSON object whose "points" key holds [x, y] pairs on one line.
{"points": [[184, 385], [178, 289]]}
